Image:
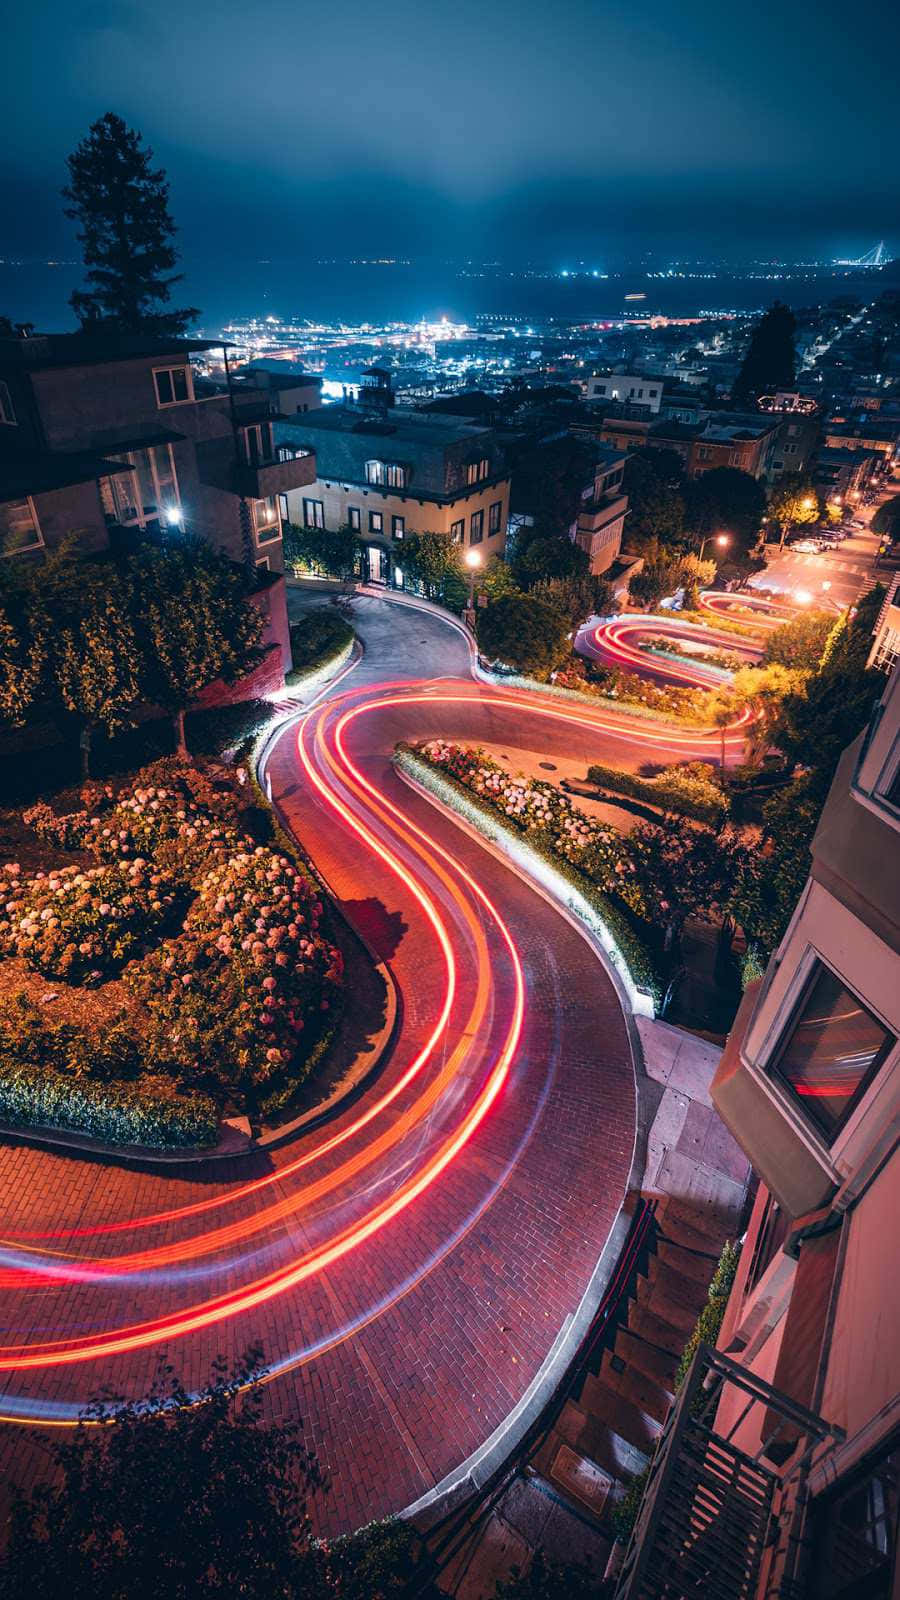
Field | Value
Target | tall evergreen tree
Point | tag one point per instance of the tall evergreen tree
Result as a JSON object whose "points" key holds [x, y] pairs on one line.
{"points": [[770, 359], [122, 206]]}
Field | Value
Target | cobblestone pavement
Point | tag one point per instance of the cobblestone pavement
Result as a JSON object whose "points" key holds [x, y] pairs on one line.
{"points": [[404, 1352]]}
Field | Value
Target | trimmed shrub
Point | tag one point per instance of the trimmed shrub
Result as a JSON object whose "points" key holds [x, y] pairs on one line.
{"points": [[709, 1323], [320, 638], [689, 790], [149, 1111]]}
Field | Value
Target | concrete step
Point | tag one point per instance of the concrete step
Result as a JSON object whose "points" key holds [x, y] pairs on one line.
{"points": [[619, 1414], [657, 1328], [591, 1437], [669, 1292], [650, 1397], [658, 1364], [697, 1269], [687, 1224]]}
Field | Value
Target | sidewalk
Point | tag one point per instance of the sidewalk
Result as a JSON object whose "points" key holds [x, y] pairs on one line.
{"points": [[562, 1497]]}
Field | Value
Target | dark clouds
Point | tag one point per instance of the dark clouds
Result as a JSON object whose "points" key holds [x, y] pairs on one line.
{"points": [[489, 126]]}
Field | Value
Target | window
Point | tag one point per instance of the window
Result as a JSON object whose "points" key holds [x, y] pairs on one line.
{"points": [[653, 393], [458, 531], [494, 517], [284, 510], [476, 527], [477, 471], [19, 528], [257, 443], [172, 386], [353, 518], [313, 514], [263, 561], [395, 475], [854, 1533], [398, 527], [7, 409], [374, 472], [376, 522], [147, 493], [265, 519], [832, 1051]]}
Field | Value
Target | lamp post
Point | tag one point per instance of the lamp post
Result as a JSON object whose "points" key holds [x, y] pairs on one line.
{"points": [[473, 562], [721, 539]]}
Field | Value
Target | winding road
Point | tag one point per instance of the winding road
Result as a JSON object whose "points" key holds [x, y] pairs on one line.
{"points": [[409, 1265], [621, 642]]}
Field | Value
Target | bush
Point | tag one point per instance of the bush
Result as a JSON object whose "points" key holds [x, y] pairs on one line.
{"points": [[625, 1513], [374, 1563], [147, 1112], [690, 791], [231, 995], [319, 638], [82, 925]]}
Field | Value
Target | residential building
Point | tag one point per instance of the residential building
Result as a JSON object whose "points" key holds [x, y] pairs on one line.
{"points": [[842, 474], [116, 437], [778, 1471], [870, 432], [601, 517], [387, 472], [635, 389], [730, 439], [885, 652]]}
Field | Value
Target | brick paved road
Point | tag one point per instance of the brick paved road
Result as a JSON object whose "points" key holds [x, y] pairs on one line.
{"points": [[404, 1353]]}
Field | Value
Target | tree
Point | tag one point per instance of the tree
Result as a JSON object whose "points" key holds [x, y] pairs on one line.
{"points": [[523, 633], [799, 643], [551, 558], [886, 520], [549, 1580], [770, 878], [322, 551], [25, 632], [794, 502], [497, 579], [764, 690], [433, 558], [194, 624], [655, 502], [548, 481], [122, 207], [770, 360], [730, 500], [677, 872], [575, 598]]}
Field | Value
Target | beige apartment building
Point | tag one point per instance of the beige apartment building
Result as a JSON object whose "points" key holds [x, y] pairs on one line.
{"points": [[777, 1476], [388, 472]]}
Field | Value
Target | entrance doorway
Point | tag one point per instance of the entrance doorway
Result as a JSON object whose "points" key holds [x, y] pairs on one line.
{"points": [[377, 564]]}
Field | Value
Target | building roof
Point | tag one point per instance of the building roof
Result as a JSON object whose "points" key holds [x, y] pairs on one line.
{"points": [[43, 350], [435, 448], [42, 472], [132, 438]]}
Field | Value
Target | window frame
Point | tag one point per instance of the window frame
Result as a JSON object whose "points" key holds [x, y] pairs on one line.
{"points": [[38, 543], [376, 522], [398, 532], [476, 519], [319, 510], [266, 532], [8, 418], [354, 519], [164, 405], [795, 1006], [496, 506], [460, 536]]}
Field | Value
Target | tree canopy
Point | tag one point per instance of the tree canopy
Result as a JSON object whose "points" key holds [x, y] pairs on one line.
{"points": [[794, 502], [800, 642], [770, 359], [551, 558], [524, 633], [729, 500], [121, 204], [886, 519], [655, 502]]}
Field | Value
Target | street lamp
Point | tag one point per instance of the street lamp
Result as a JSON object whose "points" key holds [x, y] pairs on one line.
{"points": [[473, 562], [721, 539], [802, 597]]}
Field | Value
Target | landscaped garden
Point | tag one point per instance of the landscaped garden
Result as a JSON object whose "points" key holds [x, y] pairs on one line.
{"points": [[161, 962]]}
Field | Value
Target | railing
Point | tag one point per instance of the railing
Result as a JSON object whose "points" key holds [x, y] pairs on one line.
{"points": [[705, 1518]]}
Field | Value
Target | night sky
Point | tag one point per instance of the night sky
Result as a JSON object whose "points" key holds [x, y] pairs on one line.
{"points": [[482, 127]]}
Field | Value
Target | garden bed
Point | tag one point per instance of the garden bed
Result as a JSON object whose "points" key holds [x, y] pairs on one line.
{"points": [[579, 851], [164, 963], [680, 707], [321, 641]]}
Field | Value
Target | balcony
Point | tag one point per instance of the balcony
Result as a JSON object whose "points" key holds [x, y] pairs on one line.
{"points": [[595, 515], [260, 479], [710, 1508]]}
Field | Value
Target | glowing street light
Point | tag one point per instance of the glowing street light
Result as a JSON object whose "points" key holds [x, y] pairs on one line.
{"points": [[802, 597], [723, 540], [472, 559]]}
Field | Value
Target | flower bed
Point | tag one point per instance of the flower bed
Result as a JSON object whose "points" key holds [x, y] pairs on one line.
{"points": [[690, 790], [239, 997], [591, 858]]}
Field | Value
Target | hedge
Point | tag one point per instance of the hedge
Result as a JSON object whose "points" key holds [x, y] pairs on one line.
{"points": [[611, 702], [638, 960], [707, 803], [146, 1112], [318, 641], [709, 1323]]}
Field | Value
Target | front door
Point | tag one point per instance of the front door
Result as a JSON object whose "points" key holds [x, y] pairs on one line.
{"points": [[377, 564]]}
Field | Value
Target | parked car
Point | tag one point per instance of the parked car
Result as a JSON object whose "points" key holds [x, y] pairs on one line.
{"points": [[806, 546]]}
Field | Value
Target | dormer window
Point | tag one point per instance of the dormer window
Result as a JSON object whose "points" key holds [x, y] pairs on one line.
{"points": [[477, 471], [374, 472], [389, 473]]}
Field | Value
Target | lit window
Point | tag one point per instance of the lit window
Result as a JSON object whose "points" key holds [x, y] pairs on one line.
{"points": [[172, 386], [832, 1051], [477, 471], [7, 409], [395, 475], [476, 527], [313, 514], [376, 522], [374, 472], [353, 518], [398, 527], [19, 528], [458, 531], [494, 517], [265, 519]]}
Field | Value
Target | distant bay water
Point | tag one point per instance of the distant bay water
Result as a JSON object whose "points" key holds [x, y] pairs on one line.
{"points": [[231, 290]]}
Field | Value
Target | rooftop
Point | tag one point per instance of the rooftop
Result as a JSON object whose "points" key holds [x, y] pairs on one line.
{"points": [[42, 472], [43, 350]]}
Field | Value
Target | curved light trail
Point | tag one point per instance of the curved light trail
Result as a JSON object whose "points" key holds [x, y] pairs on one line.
{"points": [[391, 1184], [616, 642]]}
